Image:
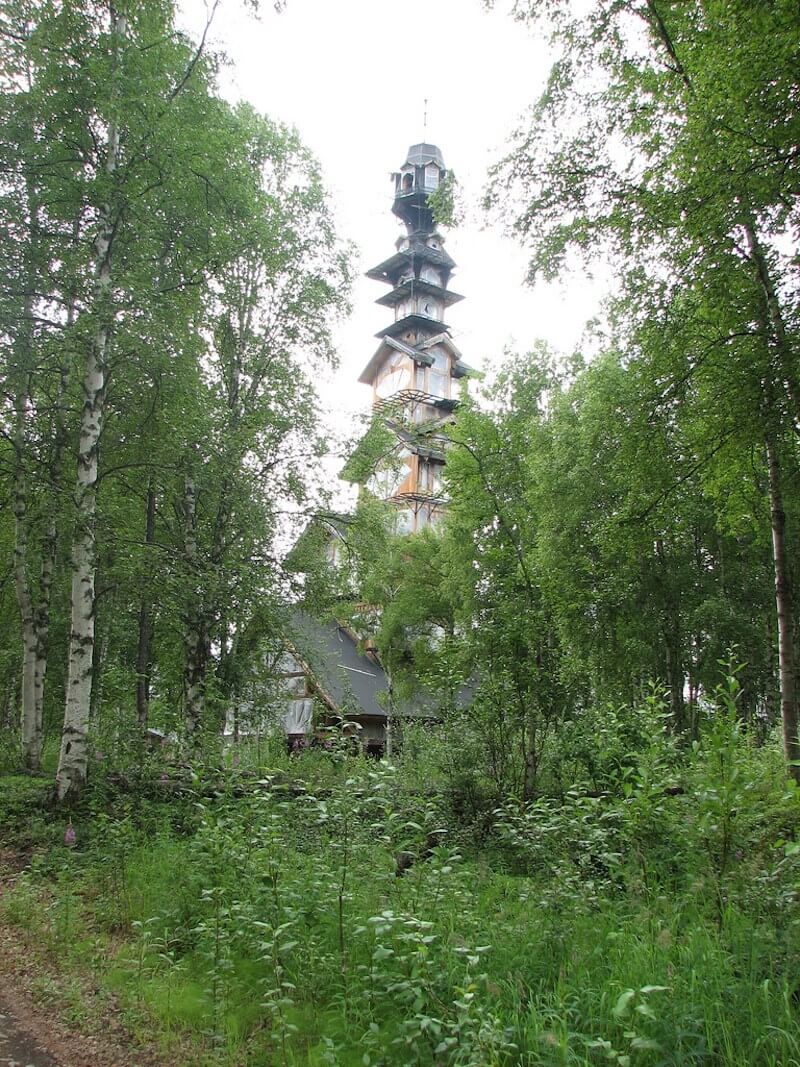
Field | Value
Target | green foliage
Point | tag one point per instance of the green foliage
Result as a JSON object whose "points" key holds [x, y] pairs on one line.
{"points": [[445, 202], [374, 446], [650, 921], [24, 816], [592, 858], [661, 144], [226, 279]]}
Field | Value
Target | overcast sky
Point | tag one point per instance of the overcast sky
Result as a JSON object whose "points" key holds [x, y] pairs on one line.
{"points": [[352, 76]]}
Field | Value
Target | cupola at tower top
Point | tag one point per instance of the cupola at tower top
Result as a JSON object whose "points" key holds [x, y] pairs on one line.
{"points": [[420, 175]]}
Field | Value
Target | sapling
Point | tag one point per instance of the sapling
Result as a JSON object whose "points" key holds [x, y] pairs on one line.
{"points": [[725, 792]]}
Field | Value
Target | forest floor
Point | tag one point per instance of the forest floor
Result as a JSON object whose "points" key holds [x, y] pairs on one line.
{"points": [[49, 1019]]}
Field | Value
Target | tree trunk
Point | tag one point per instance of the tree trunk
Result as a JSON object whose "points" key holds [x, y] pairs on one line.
{"points": [[770, 716], [693, 710], [31, 720], [143, 647], [194, 681], [31, 725], [530, 769], [787, 665], [73, 758], [50, 546], [675, 681], [72, 763], [104, 613], [673, 660]]}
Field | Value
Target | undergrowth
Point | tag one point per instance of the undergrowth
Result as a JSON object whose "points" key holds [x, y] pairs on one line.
{"points": [[269, 920]]}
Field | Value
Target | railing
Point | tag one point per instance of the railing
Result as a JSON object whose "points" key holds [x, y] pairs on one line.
{"points": [[409, 191], [389, 404], [419, 498]]}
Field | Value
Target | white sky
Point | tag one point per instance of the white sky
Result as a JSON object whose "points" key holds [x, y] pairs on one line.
{"points": [[351, 75]]}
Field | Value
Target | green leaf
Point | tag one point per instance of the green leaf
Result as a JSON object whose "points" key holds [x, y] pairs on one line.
{"points": [[623, 1005], [647, 1043]]}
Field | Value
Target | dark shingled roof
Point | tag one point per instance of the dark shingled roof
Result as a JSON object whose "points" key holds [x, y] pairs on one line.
{"points": [[419, 154], [348, 677], [412, 286], [390, 269], [413, 322]]}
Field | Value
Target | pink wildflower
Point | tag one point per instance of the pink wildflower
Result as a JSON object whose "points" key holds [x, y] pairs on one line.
{"points": [[70, 836]]}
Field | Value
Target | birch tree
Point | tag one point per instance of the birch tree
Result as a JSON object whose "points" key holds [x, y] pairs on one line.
{"points": [[36, 316], [140, 161], [666, 141], [73, 758]]}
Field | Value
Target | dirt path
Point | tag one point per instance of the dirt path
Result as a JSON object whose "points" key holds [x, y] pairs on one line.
{"points": [[39, 1026], [32, 1033], [18, 1049]]}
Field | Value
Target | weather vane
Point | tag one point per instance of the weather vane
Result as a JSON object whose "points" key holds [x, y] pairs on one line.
{"points": [[425, 119]]}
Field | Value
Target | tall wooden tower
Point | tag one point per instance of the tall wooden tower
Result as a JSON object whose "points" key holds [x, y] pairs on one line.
{"points": [[414, 370]]}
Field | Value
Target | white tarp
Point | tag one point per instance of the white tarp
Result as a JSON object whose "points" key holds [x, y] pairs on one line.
{"points": [[297, 717]]}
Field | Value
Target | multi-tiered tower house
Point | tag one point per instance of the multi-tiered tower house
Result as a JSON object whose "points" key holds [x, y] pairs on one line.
{"points": [[414, 378], [414, 371]]}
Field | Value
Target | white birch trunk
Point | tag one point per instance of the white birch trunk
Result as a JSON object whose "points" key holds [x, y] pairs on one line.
{"points": [[73, 759], [72, 762]]}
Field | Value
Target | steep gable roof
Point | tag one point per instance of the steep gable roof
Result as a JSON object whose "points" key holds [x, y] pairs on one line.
{"points": [[352, 682]]}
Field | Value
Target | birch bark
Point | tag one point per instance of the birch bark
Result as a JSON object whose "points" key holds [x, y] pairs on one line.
{"points": [[73, 758]]}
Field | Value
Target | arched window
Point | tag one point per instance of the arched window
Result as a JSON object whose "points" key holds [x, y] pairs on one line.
{"points": [[408, 182]]}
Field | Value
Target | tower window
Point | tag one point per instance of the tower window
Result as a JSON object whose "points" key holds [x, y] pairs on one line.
{"points": [[408, 183], [437, 383]]}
